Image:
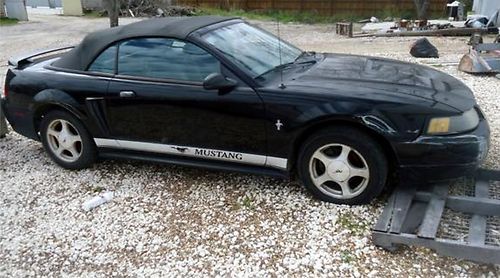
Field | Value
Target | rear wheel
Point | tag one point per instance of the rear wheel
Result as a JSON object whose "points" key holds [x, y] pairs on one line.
{"points": [[67, 141], [343, 165]]}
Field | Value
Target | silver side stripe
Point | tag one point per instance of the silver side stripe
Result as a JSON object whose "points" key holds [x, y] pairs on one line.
{"points": [[246, 158]]}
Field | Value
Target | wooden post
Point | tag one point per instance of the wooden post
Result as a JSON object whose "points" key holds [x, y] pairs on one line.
{"points": [[3, 123], [2, 8]]}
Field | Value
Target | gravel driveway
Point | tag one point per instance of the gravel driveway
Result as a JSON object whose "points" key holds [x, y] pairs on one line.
{"points": [[168, 221]]}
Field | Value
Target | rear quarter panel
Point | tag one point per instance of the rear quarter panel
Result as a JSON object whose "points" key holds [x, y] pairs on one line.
{"points": [[36, 89]]}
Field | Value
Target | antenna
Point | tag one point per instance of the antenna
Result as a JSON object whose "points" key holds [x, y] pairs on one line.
{"points": [[282, 85]]}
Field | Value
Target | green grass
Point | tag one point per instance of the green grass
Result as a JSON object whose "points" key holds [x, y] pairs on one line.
{"points": [[438, 65], [347, 257], [246, 202], [355, 225], [4, 21], [95, 189], [93, 14], [309, 17], [283, 16]]}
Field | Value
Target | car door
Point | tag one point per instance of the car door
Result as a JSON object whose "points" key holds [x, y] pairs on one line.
{"points": [[157, 102]]}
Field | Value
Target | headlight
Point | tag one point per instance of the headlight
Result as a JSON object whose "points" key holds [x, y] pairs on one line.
{"points": [[456, 124]]}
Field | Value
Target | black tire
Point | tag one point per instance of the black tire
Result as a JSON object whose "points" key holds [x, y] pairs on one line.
{"points": [[85, 148], [361, 149]]}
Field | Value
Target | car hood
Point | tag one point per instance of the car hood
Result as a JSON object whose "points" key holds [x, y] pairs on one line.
{"points": [[350, 74]]}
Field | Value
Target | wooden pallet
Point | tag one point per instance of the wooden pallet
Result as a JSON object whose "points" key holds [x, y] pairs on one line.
{"points": [[462, 225]]}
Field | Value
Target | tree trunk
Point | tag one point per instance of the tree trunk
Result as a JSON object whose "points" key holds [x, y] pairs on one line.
{"points": [[113, 9], [422, 8], [2, 8]]}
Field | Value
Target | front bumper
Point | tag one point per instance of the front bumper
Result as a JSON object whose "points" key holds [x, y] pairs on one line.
{"points": [[444, 157]]}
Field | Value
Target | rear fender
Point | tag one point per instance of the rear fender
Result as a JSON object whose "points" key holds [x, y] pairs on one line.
{"points": [[56, 98]]}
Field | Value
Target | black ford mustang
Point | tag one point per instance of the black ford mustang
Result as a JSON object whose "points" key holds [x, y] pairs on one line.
{"points": [[215, 92]]}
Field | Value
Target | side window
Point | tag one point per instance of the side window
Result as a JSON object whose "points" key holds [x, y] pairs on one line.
{"points": [[105, 62], [165, 59]]}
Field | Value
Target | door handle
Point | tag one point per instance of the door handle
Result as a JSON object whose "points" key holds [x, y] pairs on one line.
{"points": [[126, 94]]}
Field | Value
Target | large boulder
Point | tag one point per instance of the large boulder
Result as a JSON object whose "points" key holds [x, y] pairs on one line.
{"points": [[422, 48]]}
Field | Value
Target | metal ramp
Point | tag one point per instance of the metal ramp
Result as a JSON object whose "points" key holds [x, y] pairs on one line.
{"points": [[457, 218]]}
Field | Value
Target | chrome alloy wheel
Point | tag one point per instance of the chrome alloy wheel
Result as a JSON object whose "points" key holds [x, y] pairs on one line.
{"points": [[339, 171], [64, 140]]}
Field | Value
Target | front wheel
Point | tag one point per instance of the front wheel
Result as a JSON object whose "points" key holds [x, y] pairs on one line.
{"points": [[67, 141], [343, 165]]}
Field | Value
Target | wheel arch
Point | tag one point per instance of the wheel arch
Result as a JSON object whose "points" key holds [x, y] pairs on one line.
{"points": [[52, 99], [317, 126]]}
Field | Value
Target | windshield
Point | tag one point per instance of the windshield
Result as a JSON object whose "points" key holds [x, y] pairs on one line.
{"points": [[250, 48]]}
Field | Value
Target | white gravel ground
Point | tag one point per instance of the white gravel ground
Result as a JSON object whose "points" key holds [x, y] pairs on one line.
{"points": [[169, 221]]}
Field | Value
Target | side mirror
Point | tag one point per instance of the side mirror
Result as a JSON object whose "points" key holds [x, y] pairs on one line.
{"points": [[217, 81]]}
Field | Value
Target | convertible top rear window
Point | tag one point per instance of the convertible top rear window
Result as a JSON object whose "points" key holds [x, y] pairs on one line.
{"points": [[105, 62]]}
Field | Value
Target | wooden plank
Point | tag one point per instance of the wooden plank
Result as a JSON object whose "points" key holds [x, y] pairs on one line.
{"points": [[487, 254], [430, 223], [487, 174], [487, 47], [384, 221], [482, 189], [474, 205], [470, 205], [443, 32], [402, 203], [477, 230]]}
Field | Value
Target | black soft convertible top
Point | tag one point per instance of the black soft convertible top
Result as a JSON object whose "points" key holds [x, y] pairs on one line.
{"points": [[94, 43]]}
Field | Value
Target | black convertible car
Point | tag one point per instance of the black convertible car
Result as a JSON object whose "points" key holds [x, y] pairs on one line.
{"points": [[217, 92]]}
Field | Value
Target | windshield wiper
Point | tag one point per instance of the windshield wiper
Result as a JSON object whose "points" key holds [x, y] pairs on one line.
{"points": [[304, 54], [285, 65], [278, 67]]}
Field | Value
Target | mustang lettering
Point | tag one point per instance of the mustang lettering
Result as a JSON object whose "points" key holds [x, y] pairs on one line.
{"points": [[219, 154]]}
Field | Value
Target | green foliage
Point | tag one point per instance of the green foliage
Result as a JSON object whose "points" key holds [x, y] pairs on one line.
{"points": [[93, 14], [98, 189], [468, 5], [346, 257], [247, 202], [4, 21], [394, 12], [244, 203], [307, 17], [354, 225]]}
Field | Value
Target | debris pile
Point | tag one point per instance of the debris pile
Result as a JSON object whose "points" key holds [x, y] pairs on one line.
{"points": [[145, 8], [152, 8], [455, 25], [483, 58]]}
